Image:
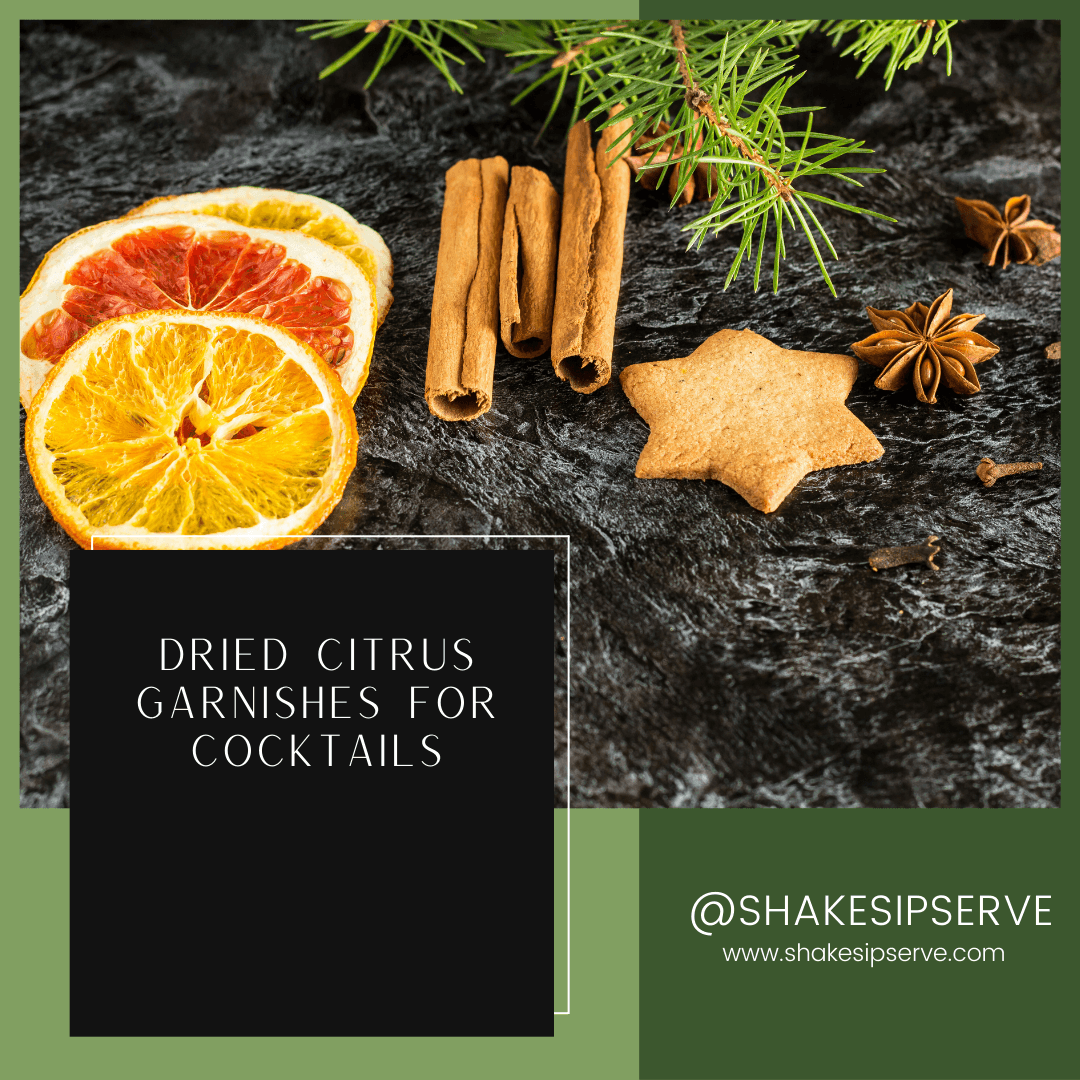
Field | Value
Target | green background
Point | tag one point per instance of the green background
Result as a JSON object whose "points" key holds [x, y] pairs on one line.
{"points": [[562, 914], [597, 1039], [1030, 1019], [704, 1017]]}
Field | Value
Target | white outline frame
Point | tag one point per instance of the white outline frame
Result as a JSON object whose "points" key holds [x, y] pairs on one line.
{"points": [[478, 536]]}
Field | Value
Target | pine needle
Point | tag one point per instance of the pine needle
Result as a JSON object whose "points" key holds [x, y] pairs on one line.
{"points": [[718, 86]]}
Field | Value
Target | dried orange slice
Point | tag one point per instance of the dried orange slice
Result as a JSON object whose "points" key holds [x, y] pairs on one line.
{"points": [[167, 262], [273, 208], [178, 429]]}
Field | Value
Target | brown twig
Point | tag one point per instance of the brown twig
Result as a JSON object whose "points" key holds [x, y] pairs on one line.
{"points": [[376, 25], [564, 58], [698, 100]]}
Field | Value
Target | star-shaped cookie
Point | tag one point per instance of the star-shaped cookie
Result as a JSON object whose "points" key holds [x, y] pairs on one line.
{"points": [[748, 413]]}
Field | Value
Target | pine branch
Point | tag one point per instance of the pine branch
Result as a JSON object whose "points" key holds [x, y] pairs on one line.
{"points": [[705, 99], [698, 100], [426, 35], [908, 41]]}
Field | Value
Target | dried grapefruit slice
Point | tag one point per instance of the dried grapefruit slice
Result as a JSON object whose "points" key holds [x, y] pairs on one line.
{"points": [[188, 261], [272, 208], [179, 429]]}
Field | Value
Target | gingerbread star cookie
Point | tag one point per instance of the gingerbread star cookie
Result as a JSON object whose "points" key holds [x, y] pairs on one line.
{"points": [[748, 413]]}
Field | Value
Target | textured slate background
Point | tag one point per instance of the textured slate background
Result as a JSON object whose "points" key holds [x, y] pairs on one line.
{"points": [[721, 657]]}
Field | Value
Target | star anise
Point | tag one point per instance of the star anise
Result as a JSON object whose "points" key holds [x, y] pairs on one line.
{"points": [[923, 344], [1017, 238]]}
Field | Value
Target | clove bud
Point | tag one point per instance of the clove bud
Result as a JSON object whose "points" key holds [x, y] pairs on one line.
{"points": [[886, 557], [988, 472]]}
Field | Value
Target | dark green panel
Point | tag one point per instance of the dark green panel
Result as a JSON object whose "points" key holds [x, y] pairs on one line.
{"points": [[706, 1014], [703, 9]]}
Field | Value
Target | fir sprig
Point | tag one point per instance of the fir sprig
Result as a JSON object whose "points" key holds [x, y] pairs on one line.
{"points": [[715, 88], [908, 41], [427, 35]]}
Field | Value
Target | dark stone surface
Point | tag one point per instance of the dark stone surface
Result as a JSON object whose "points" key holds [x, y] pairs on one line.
{"points": [[721, 657]]}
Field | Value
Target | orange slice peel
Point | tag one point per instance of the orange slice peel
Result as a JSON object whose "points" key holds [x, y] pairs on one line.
{"points": [[190, 430], [274, 208], [198, 263]]}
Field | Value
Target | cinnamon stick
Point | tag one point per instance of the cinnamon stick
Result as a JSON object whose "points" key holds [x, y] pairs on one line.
{"points": [[647, 151], [676, 150], [702, 185], [590, 257], [527, 277], [464, 309]]}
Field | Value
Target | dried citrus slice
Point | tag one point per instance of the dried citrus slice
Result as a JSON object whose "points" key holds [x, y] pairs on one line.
{"points": [[178, 261], [178, 429], [272, 208]]}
